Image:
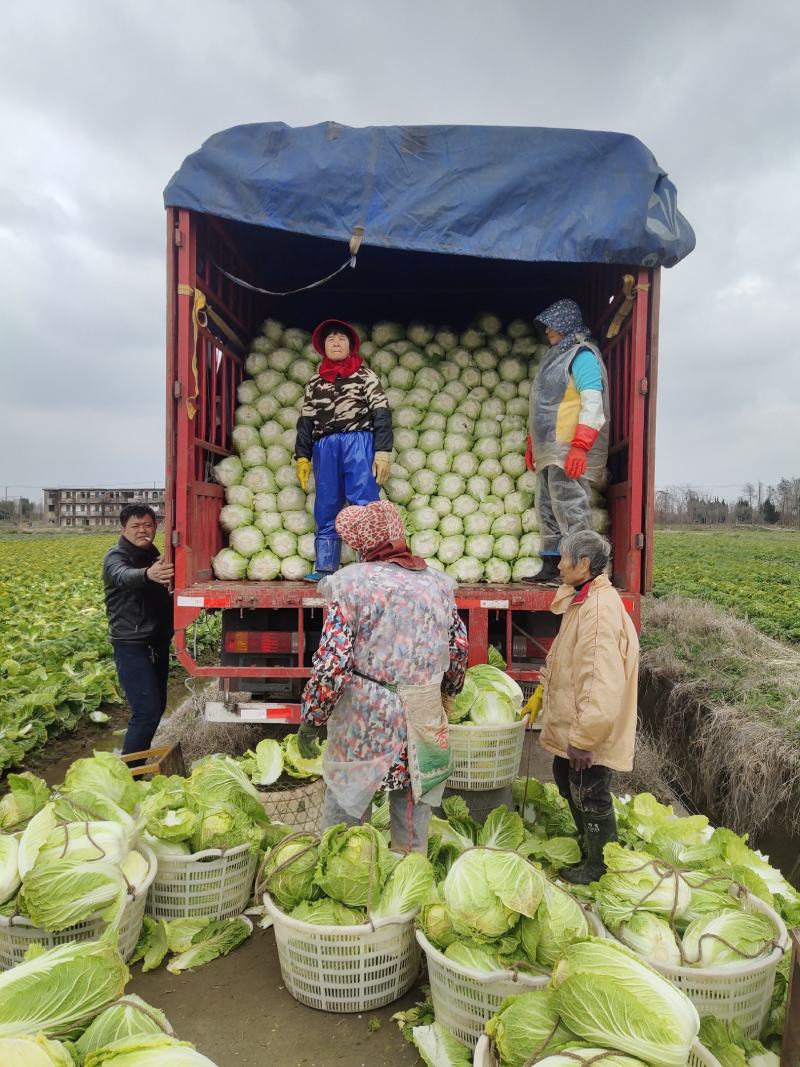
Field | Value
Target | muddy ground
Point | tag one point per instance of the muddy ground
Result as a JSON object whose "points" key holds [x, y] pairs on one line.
{"points": [[236, 1010]]}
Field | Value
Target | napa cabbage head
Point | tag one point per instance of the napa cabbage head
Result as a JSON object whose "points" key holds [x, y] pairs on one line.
{"points": [[407, 886], [58, 989], [124, 1019], [352, 861], [526, 1024], [327, 912], [105, 775], [650, 936], [31, 1051], [562, 922], [287, 872], [26, 795], [486, 891], [606, 994], [729, 937], [219, 780]]}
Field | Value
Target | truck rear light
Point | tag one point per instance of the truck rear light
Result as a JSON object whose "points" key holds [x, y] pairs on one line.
{"points": [[260, 641]]}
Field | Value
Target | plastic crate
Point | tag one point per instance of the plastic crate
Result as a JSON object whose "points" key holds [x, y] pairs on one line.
{"points": [[485, 757], [740, 992], [215, 883], [17, 934], [346, 968], [297, 805], [464, 1000], [698, 1057]]}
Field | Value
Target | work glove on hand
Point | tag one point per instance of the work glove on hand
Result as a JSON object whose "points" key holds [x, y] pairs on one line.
{"points": [[303, 468], [534, 705], [380, 466], [308, 741], [448, 703], [582, 441], [530, 461]]}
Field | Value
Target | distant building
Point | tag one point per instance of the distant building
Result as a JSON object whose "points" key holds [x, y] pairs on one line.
{"points": [[96, 507]]}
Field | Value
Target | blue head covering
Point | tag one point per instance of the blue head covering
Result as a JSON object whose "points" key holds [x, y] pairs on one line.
{"points": [[566, 317]]}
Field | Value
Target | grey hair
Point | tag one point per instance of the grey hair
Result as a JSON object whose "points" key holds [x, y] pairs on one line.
{"points": [[586, 544]]}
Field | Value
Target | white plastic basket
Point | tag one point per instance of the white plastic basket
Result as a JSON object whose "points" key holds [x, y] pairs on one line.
{"points": [[299, 807], [740, 992], [464, 1000], [216, 883], [698, 1057], [346, 968], [17, 934], [485, 757]]}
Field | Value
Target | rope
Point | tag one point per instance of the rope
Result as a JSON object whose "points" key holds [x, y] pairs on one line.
{"points": [[666, 870], [535, 1056], [260, 886], [150, 1012], [350, 261]]}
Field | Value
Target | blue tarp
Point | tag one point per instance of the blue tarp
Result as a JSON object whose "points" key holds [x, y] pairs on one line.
{"points": [[499, 192]]}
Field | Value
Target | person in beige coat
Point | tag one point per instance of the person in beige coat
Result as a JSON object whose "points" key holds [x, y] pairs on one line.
{"points": [[589, 697]]}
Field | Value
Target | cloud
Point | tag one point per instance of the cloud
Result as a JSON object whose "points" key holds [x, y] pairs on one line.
{"points": [[100, 108]]}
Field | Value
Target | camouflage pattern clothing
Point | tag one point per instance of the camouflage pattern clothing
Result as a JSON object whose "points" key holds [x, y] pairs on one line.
{"points": [[344, 405]]}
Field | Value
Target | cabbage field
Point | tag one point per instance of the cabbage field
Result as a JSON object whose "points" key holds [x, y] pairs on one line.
{"points": [[56, 664], [751, 572], [459, 408]]}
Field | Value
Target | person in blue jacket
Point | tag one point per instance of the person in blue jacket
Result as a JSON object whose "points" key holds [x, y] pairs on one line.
{"points": [[344, 434], [569, 429]]}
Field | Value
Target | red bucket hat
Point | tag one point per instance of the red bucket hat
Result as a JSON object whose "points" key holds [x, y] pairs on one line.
{"points": [[321, 332]]}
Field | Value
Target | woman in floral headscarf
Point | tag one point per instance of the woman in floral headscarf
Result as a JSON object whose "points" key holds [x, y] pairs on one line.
{"points": [[391, 628], [569, 423]]}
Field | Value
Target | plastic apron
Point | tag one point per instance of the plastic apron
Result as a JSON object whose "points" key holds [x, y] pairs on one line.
{"points": [[354, 782], [555, 408]]}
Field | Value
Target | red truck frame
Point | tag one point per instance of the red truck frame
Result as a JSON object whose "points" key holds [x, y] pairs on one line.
{"points": [[205, 364]]}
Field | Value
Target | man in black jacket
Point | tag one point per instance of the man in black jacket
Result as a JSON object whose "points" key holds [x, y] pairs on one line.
{"points": [[139, 609]]}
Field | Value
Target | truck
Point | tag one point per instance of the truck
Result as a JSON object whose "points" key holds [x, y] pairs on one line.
{"points": [[403, 223]]}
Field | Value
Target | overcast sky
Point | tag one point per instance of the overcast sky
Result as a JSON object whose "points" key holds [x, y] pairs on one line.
{"points": [[101, 102]]}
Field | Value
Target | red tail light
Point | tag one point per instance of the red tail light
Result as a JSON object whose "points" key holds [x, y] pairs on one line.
{"points": [[260, 641]]}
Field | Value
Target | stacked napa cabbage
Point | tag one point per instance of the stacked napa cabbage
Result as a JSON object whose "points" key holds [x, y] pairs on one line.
{"points": [[344, 877], [73, 855], [489, 697], [460, 414]]}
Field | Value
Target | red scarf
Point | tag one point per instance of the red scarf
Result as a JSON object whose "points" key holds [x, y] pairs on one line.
{"points": [[394, 552], [332, 369]]}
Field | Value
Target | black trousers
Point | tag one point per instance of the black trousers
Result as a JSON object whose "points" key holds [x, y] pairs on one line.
{"points": [[143, 672], [589, 791]]}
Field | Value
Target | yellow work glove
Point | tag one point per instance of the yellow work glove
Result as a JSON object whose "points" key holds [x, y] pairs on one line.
{"points": [[303, 467], [534, 705], [380, 466]]}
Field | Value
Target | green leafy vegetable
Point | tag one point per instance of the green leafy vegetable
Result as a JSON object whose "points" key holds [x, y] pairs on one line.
{"points": [[352, 862], [438, 1047], [218, 938], [127, 1018], [605, 994], [60, 988], [27, 794], [525, 1025]]}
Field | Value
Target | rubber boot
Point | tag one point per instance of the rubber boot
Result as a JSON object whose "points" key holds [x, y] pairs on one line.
{"points": [[549, 572], [600, 829], [577, 817]]}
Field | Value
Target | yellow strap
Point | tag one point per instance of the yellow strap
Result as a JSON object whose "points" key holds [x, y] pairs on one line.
{"points": [[629, 292], [198, 319]]}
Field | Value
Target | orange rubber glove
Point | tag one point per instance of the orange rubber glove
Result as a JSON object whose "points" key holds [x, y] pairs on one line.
{"points": [[582, 441], [530, 462]]}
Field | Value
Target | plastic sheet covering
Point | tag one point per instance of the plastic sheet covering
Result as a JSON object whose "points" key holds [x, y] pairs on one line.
{"points": [[515, 193]]}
